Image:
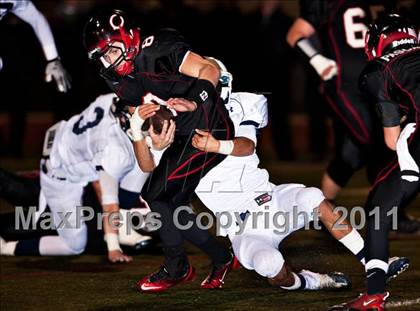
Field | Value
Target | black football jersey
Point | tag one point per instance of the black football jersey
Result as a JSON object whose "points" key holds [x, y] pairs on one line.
{"points": [[341, 25], [156, 74], [392, 82]]}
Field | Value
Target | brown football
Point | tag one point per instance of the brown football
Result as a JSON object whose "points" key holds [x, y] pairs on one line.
{"points": [[157, 120]]}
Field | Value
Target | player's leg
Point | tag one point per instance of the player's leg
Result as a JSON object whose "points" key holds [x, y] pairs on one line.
{"points": [[71, 237], [18, 190], [257, 252], [310, 200], [348, 159], [128, 197], [171, 185], [387, 195]]}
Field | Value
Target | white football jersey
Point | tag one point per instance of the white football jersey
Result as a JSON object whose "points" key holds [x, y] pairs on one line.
{"points": [[12, 6], [90, 141], [238, 180]]}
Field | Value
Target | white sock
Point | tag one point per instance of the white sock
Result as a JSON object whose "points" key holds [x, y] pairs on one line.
{"points": [[312, 279], [7, 248], [296, 285], [355, 243]]}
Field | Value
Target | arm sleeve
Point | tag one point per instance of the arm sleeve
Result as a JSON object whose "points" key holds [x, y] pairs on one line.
{"points": [[247, 131], [39, 24], [374, 84], [314, 12], [109, 188], [254, 109]]}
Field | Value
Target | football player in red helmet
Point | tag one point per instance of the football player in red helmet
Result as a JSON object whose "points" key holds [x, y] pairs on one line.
{"points": [[390, 80], [163, 69]]}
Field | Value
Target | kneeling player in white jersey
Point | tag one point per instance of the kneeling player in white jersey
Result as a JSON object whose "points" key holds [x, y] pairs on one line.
{"points": [[243, 194], [90, 147]]}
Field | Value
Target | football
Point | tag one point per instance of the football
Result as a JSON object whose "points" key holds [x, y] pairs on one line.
{"points": [[157, 120]]}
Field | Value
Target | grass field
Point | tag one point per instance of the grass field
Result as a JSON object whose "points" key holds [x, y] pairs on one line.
{"points": [[88, 282]]}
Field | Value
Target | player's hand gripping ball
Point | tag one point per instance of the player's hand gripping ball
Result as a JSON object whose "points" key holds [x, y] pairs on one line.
{"points": [[157, 119]]}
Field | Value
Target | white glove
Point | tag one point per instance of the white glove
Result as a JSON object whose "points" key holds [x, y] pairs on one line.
{"points": [[135, 125], [56, 70], [321, 63], [405, 159]]}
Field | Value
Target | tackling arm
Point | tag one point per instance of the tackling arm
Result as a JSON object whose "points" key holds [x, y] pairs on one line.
{"points": [[107, 192], [238, 147]]}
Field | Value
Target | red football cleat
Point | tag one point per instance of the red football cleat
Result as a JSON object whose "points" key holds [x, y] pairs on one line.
{"points": [[218, 274], [364, 302], [161, 281]]}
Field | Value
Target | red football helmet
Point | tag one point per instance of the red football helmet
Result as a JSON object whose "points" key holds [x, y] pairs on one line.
{"points": [[112, 29], [388, 33]]}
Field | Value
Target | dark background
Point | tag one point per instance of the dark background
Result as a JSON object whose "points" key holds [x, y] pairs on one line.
{"points": [[248, 36]]}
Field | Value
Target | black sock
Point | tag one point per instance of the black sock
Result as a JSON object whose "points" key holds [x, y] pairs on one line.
{"points": [[27, 247], [361, 255], [375, 281], [219, 254], [176, 262]]}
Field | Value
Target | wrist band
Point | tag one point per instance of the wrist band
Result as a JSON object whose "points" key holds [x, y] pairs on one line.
{"points": [[226, 146], [112, 242], [135, 124], [306, 47]]}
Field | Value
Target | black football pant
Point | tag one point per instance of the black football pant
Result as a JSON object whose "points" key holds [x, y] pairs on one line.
{"points": [[357, 133], [171, 185], [389, 192]]}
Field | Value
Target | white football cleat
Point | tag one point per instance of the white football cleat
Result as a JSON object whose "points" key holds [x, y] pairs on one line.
{"points": [[318, 281]]}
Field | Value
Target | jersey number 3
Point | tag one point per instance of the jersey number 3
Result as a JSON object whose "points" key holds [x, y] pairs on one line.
{"points": [[77, 129], [355, 32]]}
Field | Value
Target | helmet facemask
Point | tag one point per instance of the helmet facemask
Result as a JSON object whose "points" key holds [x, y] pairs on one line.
{"points": [[112, 32]]}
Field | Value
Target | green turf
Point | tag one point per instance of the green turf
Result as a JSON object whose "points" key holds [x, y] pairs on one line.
{"points": [[88, 282]]}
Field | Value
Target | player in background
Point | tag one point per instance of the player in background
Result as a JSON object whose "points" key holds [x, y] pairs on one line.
{"points": [[26, 10], [391, 82], [340, 27], [89, 147], [159, 68], [238, 185]]}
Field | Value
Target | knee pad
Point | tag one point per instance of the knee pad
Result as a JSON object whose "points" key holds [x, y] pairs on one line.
{"points": [[309, 198], [268, 262]]}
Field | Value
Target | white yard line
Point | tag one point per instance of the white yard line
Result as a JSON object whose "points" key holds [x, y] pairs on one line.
{"points": [[403, 303]]}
